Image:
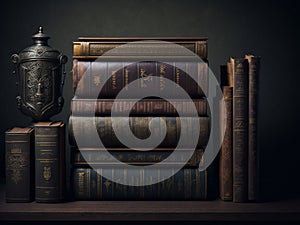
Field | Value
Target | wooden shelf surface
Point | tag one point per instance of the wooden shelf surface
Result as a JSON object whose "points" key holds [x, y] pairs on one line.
{"points": [[283, 210]]}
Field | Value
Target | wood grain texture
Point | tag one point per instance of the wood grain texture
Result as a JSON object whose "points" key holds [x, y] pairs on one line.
{"points": [[284, 210]]}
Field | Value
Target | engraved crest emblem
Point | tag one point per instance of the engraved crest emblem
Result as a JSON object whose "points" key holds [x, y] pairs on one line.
{"points": [[47, 173]]}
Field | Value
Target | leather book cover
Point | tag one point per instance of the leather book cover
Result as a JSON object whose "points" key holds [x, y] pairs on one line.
{"points": [[254, 67], [226, 155], [89, 77], [19, 160], [240, 129], [90, 48], [50, 161], [139, 127], [144, 107]]}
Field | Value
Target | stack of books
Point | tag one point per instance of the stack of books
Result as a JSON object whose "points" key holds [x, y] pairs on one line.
{"points": [[239, 154], [97, 82]]}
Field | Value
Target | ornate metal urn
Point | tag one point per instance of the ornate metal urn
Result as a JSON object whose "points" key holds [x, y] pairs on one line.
{"points": [[40, 74]]}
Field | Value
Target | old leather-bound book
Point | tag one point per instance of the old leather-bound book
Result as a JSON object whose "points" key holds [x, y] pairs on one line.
{"points": [[50, 161], [240, 129], [19, 165]]}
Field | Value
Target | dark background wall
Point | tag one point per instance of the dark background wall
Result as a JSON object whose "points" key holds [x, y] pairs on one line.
{"points": [[266, 28]]}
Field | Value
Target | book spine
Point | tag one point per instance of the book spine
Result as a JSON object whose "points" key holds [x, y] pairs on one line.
{"points": [[254, 65], [50, 162], [226, 156], [187, 184], [139, 127], [81, 78], [145, 107], [96, 157], [19, 167], [88, 78], [240, 129], [92, 50]]}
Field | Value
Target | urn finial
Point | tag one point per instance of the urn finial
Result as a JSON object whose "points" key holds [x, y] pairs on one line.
{"points": [[40, 38]]}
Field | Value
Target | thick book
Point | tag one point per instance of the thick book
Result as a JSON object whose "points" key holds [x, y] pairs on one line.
{"points": [[98, 157], [139, 127], [49, 161], [89, 48], [226, 155], [106, 79], [144, 107], [254, 67], [19, 160], [186, 184], [240, 129]]}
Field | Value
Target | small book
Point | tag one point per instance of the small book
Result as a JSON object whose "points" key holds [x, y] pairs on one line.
{"points": [[19, 165]]}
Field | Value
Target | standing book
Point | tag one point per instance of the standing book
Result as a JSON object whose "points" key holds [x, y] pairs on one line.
{"points": [[240, 129], [19, 165], [49, 161], [254, 66]]}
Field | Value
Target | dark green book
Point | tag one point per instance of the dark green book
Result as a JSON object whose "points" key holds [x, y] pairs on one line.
{"points": [[186, 184], [49, 161]]}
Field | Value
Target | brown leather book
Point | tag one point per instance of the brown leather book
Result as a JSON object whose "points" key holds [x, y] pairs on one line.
{"points": [[107, 79], [98, 158], [49, 161], [19, 162], [226, 156], [240, 129], [144, 107], [139, 127], [90, 48], [254, 67]]}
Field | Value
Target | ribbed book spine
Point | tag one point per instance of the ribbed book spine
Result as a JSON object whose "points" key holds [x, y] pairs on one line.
{"points": [[98, 157], [139, 127], [89, 78], [186, 184], [50, 162], [254, 66], [144, 107], [94, 48], [240, 129], [226, 157], [19, 160]]}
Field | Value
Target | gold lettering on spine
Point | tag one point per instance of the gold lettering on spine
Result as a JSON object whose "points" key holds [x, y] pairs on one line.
{"points": [[177, 76], [144, 77], [97, 80], [126, 78], [114, 80], [162, 72], [47, 173]]}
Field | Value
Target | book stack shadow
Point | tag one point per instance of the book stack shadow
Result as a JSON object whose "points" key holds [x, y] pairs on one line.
{"points": [[127, 96]]}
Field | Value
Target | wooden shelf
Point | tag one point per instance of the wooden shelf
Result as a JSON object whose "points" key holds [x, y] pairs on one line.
{"points": [[284, 210]]}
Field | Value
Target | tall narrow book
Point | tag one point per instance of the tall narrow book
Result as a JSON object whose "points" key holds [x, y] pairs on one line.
{"points": [[226, 164], [49, 161], [19, 161], [240, 129], [254, 66]]}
